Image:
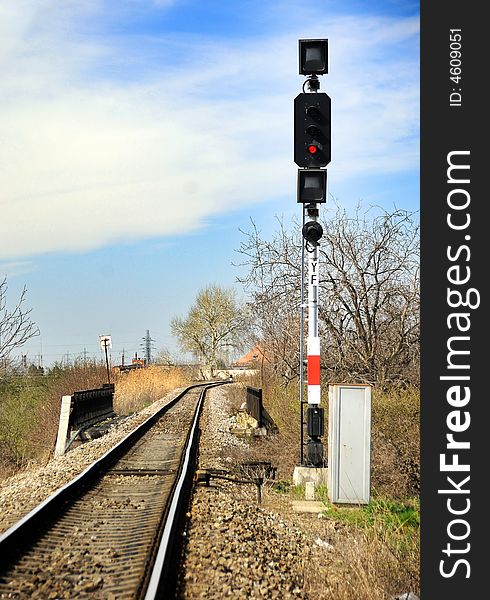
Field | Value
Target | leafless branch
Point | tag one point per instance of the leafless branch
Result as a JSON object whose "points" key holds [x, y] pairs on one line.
{"points": [[16, 325]]}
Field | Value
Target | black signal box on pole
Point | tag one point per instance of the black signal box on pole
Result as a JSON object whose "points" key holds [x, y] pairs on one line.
{"points": [[316, 419], [313, 57], [312, 130], [312, 186]]}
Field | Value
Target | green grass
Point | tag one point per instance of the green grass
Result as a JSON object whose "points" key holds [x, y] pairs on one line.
{"points": [[390, 514], [297, 492]]}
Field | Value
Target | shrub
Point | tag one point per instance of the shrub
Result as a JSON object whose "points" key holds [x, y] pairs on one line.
{"points": [[19, 401], [396, 442]]}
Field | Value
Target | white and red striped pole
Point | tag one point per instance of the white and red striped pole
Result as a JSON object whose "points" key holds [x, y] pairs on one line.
{"points": [[314, 413], [313, 341]]}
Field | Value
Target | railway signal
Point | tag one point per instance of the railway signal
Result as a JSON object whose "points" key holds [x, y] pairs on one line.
{"points": [[312, 151], [312, 116]]}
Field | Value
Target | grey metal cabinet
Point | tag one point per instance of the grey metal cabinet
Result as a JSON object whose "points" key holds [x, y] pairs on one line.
{"points": [[349, 444]]}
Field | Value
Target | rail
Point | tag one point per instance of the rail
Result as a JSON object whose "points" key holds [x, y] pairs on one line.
{"points": [[159, 576]]}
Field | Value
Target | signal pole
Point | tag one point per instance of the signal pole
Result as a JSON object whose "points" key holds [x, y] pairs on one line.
{"points": [[312, 121], [302, 350], [314, 413]]}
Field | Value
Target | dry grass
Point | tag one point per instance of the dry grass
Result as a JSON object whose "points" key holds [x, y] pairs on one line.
{"points": [[235, 395], [282, 405], [136, 389], [362, 565], [395, 432], [375, 551]]}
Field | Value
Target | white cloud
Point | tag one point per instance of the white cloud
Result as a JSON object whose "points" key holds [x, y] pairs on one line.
{"points": [[88, 156], [16, 268]]}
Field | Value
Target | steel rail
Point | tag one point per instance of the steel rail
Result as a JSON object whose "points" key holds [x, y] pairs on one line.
{"points": [[22, 532], [159, 579]]}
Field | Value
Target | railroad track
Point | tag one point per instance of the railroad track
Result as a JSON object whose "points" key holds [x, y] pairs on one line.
{"points": [[111, 532]]}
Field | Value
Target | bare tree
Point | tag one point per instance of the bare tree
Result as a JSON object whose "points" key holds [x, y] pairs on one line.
{"points": [[369, 312], [370, 285], [16, 325], [216, 324], [273, 281], [165, 357]]}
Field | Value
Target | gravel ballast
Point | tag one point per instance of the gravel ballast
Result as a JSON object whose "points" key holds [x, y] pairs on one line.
{"points": [[235, 548]]}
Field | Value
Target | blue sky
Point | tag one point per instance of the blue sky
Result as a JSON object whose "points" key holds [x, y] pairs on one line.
{"points": [[139, 136]]}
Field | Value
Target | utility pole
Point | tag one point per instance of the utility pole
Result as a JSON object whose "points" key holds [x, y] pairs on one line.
{"points": [[105, 344], [312, 152]]}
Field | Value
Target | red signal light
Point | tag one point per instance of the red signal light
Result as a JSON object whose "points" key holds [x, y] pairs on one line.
{"points": [[312, 149]]}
